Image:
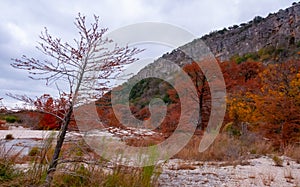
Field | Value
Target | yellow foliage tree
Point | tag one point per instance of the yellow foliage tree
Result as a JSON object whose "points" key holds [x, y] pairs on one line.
{"points": [[275, 105]]}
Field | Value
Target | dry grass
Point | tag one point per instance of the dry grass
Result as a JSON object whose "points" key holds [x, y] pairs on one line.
{"points": [[226, 148], [293, 151], [82, 167], [76, 168], [267, 179], [144, 141], [190, 151], [288, 175], [98, 175], [7, 171]]}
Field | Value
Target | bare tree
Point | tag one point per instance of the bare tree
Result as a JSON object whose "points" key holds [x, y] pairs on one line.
{"points": [[75, 66]]}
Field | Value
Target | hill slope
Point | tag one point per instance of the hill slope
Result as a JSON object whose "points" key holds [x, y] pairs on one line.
{"points": [[273, 39]]}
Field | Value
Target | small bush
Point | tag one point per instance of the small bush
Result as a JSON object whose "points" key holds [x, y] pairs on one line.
{"points": [[34, 151], [251, 56], [11, 119], [6, 171], [278, 161], [80, 177], [9, 137], [240, 59], [232, 130]]}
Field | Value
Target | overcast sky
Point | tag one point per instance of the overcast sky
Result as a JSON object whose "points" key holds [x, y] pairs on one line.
{"points": [[21, 22]]}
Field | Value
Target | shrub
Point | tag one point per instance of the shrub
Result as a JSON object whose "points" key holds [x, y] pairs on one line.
{"points": [[11, 119], [7, 171], [222, 31], [251, 56], [167, 99], [240, 59], [232, 130], [9, 137], [278, 161], [257, 19], [269, 50], [34, 151], [79, 177]]}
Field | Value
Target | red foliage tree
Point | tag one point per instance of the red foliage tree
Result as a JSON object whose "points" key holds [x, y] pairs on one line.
{"points": [[53, 111]]}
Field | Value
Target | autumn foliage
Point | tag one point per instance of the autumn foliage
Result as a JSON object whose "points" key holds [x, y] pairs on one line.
{"points": [[272, 106], [263, 98], [47, 114]]}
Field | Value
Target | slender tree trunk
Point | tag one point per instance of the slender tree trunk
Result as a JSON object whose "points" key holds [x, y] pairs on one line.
{"points": [[200, 97], [63, 131], [199, 125], [282, 137], [60, 141]]}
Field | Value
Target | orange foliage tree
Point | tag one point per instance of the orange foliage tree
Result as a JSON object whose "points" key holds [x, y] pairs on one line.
{"points": [[273, 105], [241, 80], [278, 102]]}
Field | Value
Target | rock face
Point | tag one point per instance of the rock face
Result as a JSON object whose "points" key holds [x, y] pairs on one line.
{"points": [[280, 30]]}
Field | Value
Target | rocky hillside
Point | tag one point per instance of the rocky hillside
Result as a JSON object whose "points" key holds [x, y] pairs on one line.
{"points": [[280, 30], [273, 39]]}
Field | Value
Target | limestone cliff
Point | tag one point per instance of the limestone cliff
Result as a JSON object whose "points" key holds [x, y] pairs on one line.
{"points": [[279, 30], [273, 39]]}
